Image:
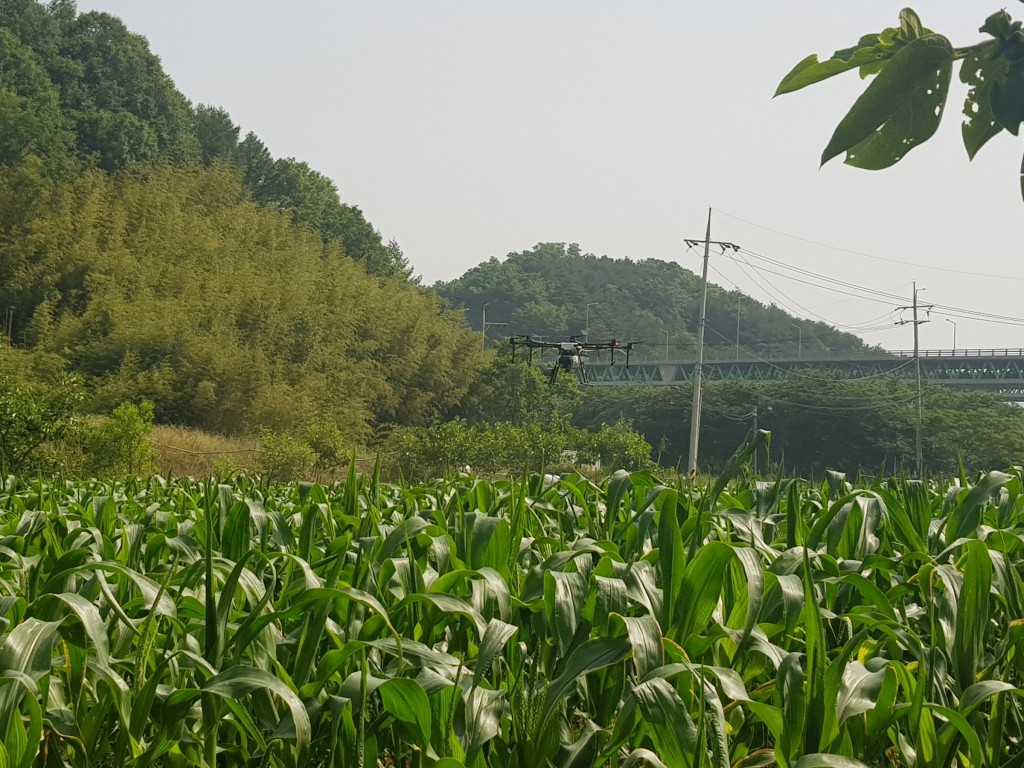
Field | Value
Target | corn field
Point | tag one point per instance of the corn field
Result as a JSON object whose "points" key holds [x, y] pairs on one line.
{"points": [[547, 622]]}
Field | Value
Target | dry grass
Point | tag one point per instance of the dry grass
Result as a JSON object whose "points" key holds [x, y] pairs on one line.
{"points": [[187, 452]]}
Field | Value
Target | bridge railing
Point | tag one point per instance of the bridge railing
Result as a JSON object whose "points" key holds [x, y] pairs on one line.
{"points": [[1005, 352]]}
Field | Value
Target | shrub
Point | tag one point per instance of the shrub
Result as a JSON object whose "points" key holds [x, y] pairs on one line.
{"points": [[503, 447], [283, 456], [619, 446], [119, 445], [33, 417]]}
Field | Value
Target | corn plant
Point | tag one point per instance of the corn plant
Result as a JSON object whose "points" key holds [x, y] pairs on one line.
{"points": [[544, 622]]}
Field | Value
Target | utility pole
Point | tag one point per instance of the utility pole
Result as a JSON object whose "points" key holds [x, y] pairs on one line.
{"points": [[919, 454], [483, 327], [799, 340], [699, 365], [586, 331], [739, 297], [755, 437]]}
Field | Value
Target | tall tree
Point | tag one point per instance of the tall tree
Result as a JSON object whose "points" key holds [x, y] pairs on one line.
{"points": [[124, 107], [216, 133]]}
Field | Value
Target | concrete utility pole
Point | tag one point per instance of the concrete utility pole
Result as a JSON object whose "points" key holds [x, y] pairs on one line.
{"points": [[755, 437], [739, 296], [484, 325], [586, 330], [919, 453], [698, 366]]}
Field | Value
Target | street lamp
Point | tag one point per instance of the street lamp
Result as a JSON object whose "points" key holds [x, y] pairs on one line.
{"points": [[666, 343], [799, 340], [954, 333], [586, 331]]}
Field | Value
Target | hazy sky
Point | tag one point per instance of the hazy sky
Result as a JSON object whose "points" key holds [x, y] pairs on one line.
{"points": [[467, 129]]}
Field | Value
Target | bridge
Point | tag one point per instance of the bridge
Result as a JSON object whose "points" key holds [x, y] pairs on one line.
{"points": [[992, 370]]}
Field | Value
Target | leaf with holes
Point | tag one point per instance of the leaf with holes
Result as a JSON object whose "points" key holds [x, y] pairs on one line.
{"points": [[899, 110]]}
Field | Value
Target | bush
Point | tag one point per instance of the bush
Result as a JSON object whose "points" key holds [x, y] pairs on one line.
{"points": [[119, 445], [618, 446], [329, 445], [284, 457], [32, 418], [503, 447]]}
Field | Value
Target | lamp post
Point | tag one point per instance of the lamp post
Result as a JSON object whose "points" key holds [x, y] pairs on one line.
{"points": [[586, 331], [666, 343], [799, 340], [954, 333]]}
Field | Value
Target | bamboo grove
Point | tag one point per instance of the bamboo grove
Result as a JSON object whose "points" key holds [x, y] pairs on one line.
{"points": [[543, 622]]}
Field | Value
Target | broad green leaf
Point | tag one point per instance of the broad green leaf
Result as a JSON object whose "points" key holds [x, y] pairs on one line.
{"points": [[966, 515], [239, 681], [859, 691], [972, 613], [564, 595], [642, 757], [668, 722], [899, 109], [497, 634], [592, 655], [981, 70], [22, 739], [27, 648], [1007, 96], [791, 693], [671, 556], [482, 710], [646, 642], [809, 71], [819, 760], [406, 701]]}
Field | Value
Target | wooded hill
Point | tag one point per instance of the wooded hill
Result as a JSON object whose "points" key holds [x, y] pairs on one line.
{"points": [[148, 249], [153, 252], [546, 291]]}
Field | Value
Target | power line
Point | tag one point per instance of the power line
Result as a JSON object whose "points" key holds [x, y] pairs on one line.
{"points": [[840, 408], [866, 326], [828, 278], [893, 302], [953, 311], [869, 255]]}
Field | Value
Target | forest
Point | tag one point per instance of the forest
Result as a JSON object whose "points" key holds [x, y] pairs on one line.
{"points": [[155, 257], [555, 290]]}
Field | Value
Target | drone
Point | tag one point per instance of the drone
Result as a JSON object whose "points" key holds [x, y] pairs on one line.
{"points": [[571, 353]]}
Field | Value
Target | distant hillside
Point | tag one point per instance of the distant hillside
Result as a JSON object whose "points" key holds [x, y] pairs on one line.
{"points": [[153, 253], [546, 291], [81, 92]]}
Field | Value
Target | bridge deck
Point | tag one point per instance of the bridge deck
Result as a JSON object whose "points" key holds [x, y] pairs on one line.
{"points": [[994, 370]]}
